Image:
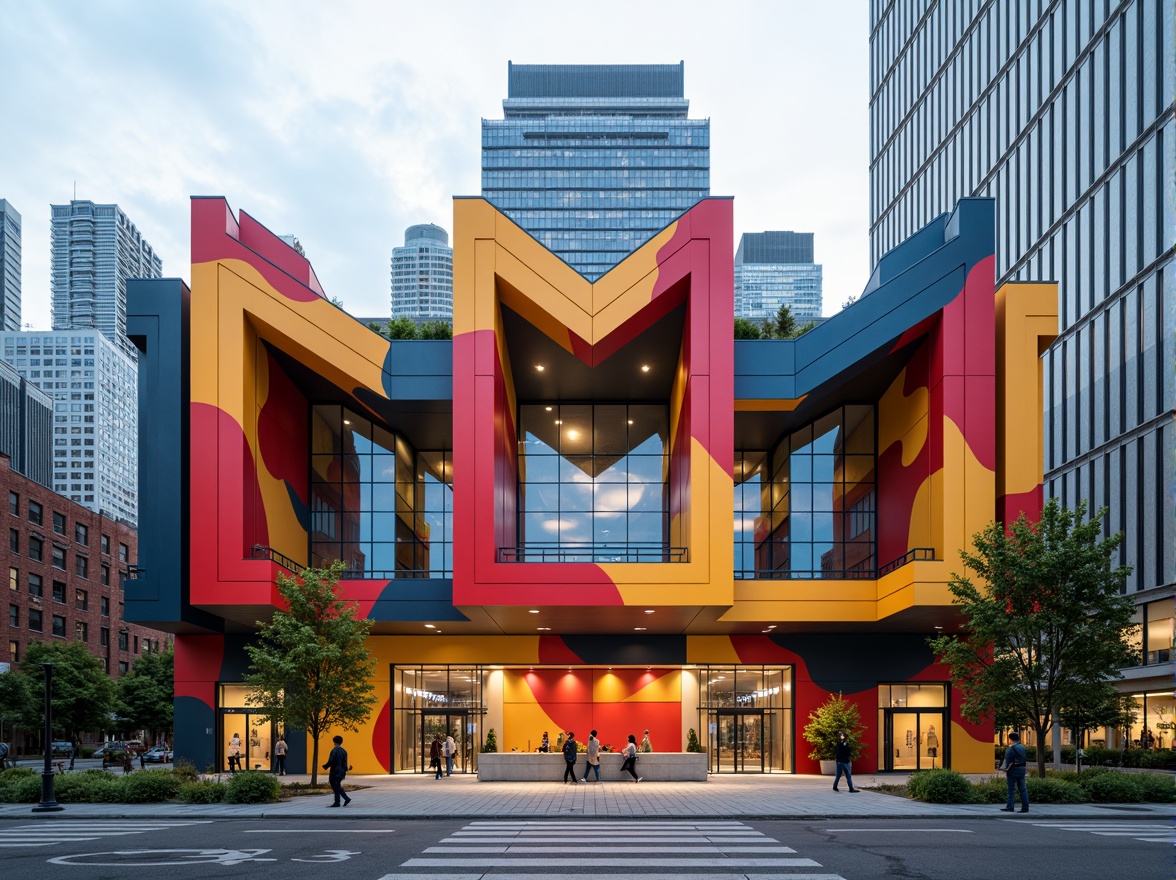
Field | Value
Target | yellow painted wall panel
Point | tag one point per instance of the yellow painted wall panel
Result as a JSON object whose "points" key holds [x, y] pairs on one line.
{"points": [[970, 755], [710, 649]]}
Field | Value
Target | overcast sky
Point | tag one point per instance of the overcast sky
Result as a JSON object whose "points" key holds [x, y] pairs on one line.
{"points": [[346, 122]]}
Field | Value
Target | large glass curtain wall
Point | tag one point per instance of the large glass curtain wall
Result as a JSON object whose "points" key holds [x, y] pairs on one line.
{"points": [[593, 482], [807, 508], [382, 508]]}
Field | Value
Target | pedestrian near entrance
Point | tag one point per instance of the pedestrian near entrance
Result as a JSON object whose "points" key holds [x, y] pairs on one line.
{"points": [[1013, 765], [449, 748], [435, 754], [570, 747], [593, 756], [337, 768], [280, 757], [843, 755], [545, 745], [235, 753], [629, 753], [646, 746]]}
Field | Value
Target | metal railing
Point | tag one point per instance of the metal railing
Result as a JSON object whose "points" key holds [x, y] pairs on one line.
{"points": [[539, 552], [260, 551], [858, 572]]}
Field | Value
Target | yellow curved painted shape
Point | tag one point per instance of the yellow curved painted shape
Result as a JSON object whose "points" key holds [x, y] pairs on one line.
{"points": [[707, 578], [967, 501], [970, 755], [1026, 323], [413, 650], [757, 405], [902, 418]]}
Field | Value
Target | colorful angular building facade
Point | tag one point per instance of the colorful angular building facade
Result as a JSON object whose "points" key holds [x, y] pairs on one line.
{"points": [[593, 508]]}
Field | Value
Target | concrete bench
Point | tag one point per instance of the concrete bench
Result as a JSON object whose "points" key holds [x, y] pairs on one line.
{"points": [[549, 767]]}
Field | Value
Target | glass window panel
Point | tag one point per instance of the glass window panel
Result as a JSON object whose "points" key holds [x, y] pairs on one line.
{"points": [[382, 557], [610, 429], [383, 525], [645, 468], [859, 430]]}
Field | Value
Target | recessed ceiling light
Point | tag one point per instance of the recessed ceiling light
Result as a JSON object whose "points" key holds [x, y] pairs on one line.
{"points": [[639, 628], [771, 626], [765, 630], [429, 626], [630, 421], [573, 434], [547, 408], [347, 421], [939, 627], [543, 628], [539, 367], [559, 421], [533, 611], [649, 611], [645, 368]]}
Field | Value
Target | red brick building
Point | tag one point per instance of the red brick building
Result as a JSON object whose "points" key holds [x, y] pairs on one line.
{"points": [[62, 563]]}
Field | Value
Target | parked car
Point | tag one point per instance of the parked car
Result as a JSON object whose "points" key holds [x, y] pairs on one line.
{"points": [[158, 755], [62, 747], [132, 745]]}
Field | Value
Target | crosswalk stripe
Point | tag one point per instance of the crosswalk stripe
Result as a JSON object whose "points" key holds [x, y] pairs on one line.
{"points": [[48, 832], [582, 839], [709, 876], [581, 862], [680, 850], [609, 823]]}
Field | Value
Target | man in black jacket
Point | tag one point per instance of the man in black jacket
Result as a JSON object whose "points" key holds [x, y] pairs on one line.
{"points": [[337, 768], [570, 747], [1014, 767], [843, 755]]}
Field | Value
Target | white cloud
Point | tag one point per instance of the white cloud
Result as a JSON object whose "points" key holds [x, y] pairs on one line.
{"points": [[344, 123]]}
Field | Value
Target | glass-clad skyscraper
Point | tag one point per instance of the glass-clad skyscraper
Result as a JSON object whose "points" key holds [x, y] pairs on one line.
{"points": [[593, 160], [95, 249], [1064, 111], [9, 267], [774, 269], [422, 275]]}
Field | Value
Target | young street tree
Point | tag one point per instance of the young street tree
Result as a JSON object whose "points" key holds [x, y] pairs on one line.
{"points": [[309, 666], [146, 694], [1046, 627], [83, 694]]}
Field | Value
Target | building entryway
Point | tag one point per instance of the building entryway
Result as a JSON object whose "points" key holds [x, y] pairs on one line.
{"points": [[914, 739]]}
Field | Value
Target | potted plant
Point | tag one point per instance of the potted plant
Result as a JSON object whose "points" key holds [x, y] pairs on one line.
{"points": [[823, 731]]}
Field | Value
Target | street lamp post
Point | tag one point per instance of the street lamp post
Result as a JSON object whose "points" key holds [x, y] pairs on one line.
{"points": [[48, 800]]}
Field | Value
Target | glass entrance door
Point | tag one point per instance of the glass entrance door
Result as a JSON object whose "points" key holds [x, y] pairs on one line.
{"points": [[447, 722], [249, 735], [913, 739], [737, 741]]}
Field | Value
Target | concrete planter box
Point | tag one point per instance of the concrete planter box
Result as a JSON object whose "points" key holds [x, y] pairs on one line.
{"points": [[828, 768], [539, 767]]}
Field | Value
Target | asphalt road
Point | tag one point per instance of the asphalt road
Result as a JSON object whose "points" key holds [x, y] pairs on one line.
{"points": [[571, 849]]}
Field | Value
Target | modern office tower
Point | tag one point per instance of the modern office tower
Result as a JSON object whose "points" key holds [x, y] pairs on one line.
{"points": [[26, 426], [422, 275], [593, 160], [95, 249], [95, 435], [773, 269], [9, 267], [1065, 113]]}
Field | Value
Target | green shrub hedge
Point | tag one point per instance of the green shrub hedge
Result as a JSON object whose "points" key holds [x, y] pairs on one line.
{"points": [[940, 786], [88, 787], [1147, 759], [1053, 791], [252, 787], [20, 785], [203, 791], [149, 787]]}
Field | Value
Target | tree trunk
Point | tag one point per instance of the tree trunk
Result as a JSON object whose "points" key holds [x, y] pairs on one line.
{"points": [[1041, 731], [314, 765], [1056, 740]]}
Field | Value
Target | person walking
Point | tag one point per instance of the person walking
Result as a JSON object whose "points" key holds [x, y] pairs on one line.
{"points": [[449, 748], [629, 752], [280, 749], [435, 754], [593, 756], [646, 746], [843, 755], [1013, 765], [3, 756], [235, 753], [337, 768], [570, 747]]}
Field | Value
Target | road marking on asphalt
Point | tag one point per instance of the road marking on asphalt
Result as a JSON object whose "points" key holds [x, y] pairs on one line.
{"points": [[693, 838], [1145, 832], [910, 830], [47, 832], [628, 876], [317, 831], [580, 862], [680, 850]]}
